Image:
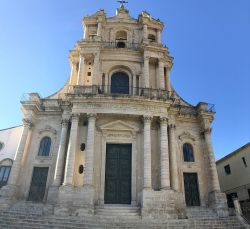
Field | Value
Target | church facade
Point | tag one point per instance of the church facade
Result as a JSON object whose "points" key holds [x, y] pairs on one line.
{"points": [[117, 133]]}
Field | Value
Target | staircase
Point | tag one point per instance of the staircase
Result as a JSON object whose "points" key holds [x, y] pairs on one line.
{"points": [[110, 217]]}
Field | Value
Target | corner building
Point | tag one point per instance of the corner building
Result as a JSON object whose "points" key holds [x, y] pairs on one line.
{"points": [[117, 134]]}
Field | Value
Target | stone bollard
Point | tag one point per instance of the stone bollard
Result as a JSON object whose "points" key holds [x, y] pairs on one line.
{"points": [[237, 206]]}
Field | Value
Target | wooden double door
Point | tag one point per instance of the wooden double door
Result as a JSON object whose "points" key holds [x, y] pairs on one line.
{"points": [[38, 184], [192, 196], [118, 174]]}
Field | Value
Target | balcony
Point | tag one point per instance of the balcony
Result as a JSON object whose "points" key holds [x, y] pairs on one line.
{"points": [[119, 44], [104, 90]]}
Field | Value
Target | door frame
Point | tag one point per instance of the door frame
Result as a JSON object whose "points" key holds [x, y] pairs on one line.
{"points": [[198, 187], [119, 139], [47, 182], [130, 151]]}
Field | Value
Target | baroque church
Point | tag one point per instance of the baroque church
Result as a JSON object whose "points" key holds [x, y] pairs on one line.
{"points": [[117, 135]]}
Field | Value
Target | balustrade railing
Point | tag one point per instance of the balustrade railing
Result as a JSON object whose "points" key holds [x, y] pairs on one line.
{"points": [[118, 91]]}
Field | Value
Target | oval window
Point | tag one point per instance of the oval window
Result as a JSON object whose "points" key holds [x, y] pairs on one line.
{"points": [[82, 146], [81, 169]]}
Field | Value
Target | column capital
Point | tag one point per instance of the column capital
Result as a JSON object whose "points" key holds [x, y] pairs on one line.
{"points": [[91, 116], [147, 118], [75, 117], [27, 123], [172, 126], [146, 58], [65, 122], [163, 119], [207, 130]]}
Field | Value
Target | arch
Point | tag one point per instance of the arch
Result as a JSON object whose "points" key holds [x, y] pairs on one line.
{"points": [[120, 83], [6, 162], [44, 148], [121, 35], [188, 153]]}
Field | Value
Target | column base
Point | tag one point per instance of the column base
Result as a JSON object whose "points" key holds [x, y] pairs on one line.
{"points": [[8, 196], [53, 194], [165, 204], [76, 201], [218, 201]]}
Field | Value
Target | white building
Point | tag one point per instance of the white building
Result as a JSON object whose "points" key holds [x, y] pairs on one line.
{"points": [[117, 133]]}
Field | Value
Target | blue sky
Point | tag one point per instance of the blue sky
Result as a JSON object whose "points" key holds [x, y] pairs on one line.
{"points": [[209, 39]]}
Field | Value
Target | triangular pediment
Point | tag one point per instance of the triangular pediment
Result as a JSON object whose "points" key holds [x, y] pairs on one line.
{"points": [[118, 125]]}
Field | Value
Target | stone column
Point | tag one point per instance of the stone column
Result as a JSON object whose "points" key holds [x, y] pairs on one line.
{"points": [[88, 179], [165, 181], [61, 154], [96, 69], [145, 33], [159, 36], [99, 29], [147, 182], [168, 84], [173, 159], [70, 160], [146, 72], [15, 170], [161, 74], [80, 70], [212, 166]]}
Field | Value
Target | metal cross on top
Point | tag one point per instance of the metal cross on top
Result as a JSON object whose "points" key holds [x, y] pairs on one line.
{"points": [[122, 2]]}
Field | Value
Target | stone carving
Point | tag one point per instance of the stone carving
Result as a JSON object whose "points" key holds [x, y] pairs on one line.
{"points": [[186, 135], [48, 128]]}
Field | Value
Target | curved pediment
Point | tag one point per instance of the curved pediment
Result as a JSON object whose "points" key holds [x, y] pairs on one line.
{"points": [[48, 128], [186, 135]]}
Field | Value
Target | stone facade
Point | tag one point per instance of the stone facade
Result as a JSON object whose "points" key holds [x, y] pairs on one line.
{"points": [[139, 108]]}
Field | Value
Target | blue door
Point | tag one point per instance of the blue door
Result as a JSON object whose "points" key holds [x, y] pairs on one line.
{"points": [[120, 83]]}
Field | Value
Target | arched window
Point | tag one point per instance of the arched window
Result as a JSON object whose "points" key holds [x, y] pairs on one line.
{"points": [[188, 153], [120, 83], [5, 167], [44, 148], [121, 38], [151, 38]]}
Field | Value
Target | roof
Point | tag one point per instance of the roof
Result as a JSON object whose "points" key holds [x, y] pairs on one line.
{"points": [[10, 128], [233, 153]]}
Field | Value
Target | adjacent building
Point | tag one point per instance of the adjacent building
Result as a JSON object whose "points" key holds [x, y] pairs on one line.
{"points": [[9, 139], [234, 174]]}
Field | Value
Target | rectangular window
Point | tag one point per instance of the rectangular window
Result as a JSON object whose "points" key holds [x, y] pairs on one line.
{"points": [[227, 169], [248, 193], [244, 161], [89, 73], [4, 175]]}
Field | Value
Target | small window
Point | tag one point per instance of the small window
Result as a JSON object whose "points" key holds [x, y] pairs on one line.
{"points": [[188, 154], [227, 169], [81, 169], [244, 161], [121, 44], [248, 193], [1, 145], [89, 63], [82, 146], [4, 175], [151, 38], [89, 73], [44, 148]]}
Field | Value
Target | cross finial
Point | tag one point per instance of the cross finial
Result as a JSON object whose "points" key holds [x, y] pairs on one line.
{"points": [[122, 3]]}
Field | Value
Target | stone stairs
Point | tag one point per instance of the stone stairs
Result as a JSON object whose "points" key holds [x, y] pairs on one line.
{"points": [[111, 217]]}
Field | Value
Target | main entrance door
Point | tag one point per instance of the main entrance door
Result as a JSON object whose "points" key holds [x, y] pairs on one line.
{"points": [[191, 189], [118, 174], [38, 184]]}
